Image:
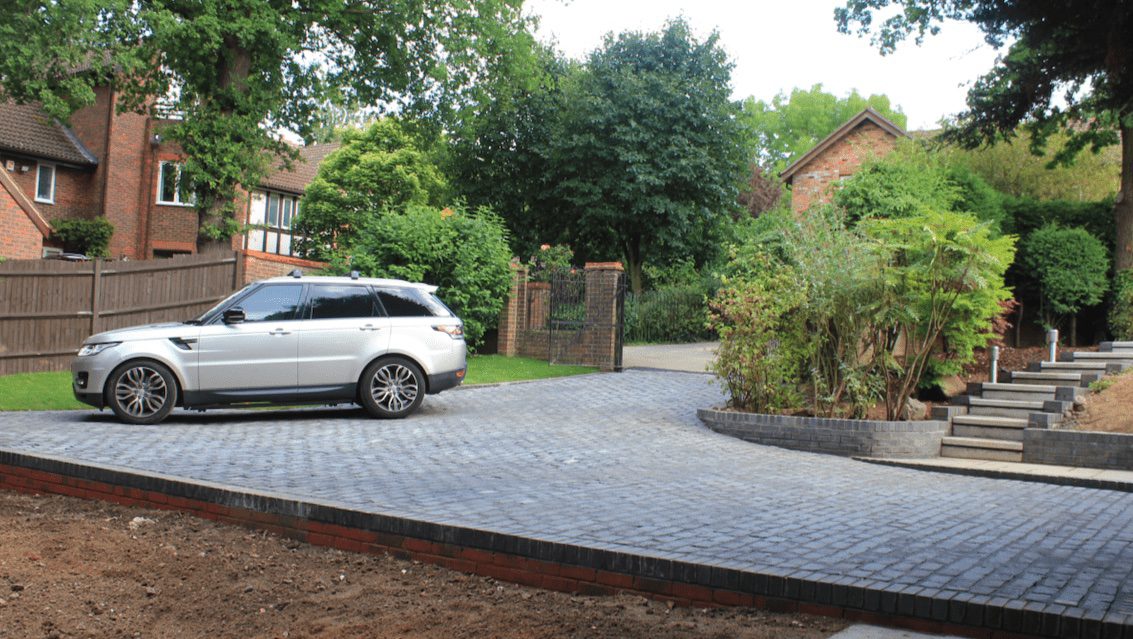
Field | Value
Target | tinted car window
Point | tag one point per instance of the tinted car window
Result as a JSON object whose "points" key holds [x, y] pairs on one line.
{"points": [[408, 302], [330, 302], [271, 303]]}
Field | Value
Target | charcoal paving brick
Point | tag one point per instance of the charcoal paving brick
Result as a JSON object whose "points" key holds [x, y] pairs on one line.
{"points": [[619, 463]]}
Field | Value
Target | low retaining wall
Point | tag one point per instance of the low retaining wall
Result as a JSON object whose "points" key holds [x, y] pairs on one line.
{"points": [[1109, 451], [846, 437]]}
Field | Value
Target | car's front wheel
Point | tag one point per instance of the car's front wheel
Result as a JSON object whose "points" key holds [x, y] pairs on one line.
{"points": [[142, 392], [392, 388]]}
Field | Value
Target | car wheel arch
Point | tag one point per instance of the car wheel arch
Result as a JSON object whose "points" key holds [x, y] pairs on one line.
{"points": [[180, 383]]}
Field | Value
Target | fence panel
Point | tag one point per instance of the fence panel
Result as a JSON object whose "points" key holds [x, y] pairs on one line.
{"points": [[47, 308]]}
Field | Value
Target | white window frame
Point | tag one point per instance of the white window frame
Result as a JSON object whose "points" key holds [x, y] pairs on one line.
{"points": [[176, 201], [50, 199]]}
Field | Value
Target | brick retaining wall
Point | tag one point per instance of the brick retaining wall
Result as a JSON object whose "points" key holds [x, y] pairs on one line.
{"points": [[846, 437], [1110, 451], [558, 566]]}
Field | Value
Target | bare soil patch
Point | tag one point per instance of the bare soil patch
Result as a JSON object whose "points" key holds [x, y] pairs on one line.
{"points": [[75, 568], [1108, 410]]}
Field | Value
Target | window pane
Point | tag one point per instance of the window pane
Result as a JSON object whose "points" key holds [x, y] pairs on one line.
{"points": [[276, 302], [401, 302], [329, 302], [273, 209], [184, 195], [168, 183], [45, 185]]}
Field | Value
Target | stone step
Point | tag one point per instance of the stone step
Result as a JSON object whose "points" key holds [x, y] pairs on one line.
{"points": [[1071, 366], [1024, 392], [1112, 347], [1003, 407], [988, 427], [1117, 357], [1061, 378], [979, 448]]}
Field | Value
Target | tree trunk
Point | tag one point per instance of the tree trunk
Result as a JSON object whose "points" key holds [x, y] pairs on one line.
{"points": [[634, 266], [1123, 207]]}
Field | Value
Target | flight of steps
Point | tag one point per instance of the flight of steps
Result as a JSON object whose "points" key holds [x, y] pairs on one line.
{"points": [[988, 422]]}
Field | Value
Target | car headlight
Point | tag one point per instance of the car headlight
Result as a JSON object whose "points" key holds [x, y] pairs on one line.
{"points": [[94, 349], [455, 331]]}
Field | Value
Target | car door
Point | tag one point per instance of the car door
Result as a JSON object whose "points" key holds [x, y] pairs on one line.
{"points": [[344, 330], [254, 359]]}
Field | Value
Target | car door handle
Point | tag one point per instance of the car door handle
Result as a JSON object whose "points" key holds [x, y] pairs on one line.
{"points": [[369, 327], [279, 331]]}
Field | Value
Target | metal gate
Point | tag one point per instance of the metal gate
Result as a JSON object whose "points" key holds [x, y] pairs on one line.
{"points": [[586, 323]]}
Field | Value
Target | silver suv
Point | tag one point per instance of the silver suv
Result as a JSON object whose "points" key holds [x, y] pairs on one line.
{"points": [[380, 343]]}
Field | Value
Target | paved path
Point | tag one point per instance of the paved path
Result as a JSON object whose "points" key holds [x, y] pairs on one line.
{"points": [[620, 462], [693, 358]]}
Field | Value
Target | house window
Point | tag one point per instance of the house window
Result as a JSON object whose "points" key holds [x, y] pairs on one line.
{"points": [[171, 188], [45, 184], [270, 216]]}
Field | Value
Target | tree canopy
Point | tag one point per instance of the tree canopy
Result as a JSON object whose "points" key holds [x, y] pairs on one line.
{"points": [[1068, 67], [790, 125], [235, 71]]}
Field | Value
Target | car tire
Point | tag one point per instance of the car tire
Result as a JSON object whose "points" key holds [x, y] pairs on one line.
{"points": [[392, 388], [141, 392]]}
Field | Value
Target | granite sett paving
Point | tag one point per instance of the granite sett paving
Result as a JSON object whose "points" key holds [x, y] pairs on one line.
{"points": [[620, 462]]}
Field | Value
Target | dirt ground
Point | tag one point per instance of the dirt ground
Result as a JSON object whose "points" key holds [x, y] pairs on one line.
{"points": [[1108, 410], [75, 568]]}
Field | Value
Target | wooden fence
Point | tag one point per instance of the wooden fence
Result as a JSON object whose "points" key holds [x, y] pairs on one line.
{"points": [[47, 307]]}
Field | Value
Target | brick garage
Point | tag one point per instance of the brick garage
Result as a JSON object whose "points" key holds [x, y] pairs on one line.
{"points": [[866, 136]]}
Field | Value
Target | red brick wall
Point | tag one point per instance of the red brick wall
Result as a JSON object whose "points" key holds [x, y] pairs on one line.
{"points": [[20, 240], [73, 188], [260, 266], [812, 183], [129, 188]]}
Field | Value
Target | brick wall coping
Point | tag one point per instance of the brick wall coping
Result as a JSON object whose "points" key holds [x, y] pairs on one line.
{"points": [[833, 436], [603, 266], [560, 566]]}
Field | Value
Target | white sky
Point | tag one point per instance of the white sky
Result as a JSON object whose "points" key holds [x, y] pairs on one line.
{"points": [[779, 45]]}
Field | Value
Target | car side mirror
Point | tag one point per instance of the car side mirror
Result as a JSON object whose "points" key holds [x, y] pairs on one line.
{"points": [[234, 316]]}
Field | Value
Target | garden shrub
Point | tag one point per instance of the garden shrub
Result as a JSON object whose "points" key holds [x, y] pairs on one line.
{"points": [[89, 237], [1024, 215], [465, 253], [1121, 312], [550, 259], [1070, 267]]}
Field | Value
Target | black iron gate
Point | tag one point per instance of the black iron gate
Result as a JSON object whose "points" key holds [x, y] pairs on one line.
{"points": [[586, 319]]}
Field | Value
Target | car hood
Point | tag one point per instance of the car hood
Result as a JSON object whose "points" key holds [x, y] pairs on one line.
{"points": [[149, 331]]}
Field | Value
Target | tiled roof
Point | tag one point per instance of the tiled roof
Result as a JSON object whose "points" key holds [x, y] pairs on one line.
{"points": [[868, 114], [302, 171], [26, 129]]}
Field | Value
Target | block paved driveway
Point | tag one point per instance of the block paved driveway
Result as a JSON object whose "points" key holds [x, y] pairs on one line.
{"points": [[620, 462]]}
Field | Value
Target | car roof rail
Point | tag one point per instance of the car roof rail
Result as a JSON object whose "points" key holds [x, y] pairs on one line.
{"points": [[296, 273], [355, 275]]}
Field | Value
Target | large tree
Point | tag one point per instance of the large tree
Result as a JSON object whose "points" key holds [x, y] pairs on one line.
{"points": [[648, 156], [1068, 67], [235, 71], [790, 125]]}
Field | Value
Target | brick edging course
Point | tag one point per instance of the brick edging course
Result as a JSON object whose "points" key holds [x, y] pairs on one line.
{"points": [[562, 567]]}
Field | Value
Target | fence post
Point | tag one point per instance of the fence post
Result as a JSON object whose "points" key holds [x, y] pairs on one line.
{"points": [[95, 294], [602, 343], [238, 271]]}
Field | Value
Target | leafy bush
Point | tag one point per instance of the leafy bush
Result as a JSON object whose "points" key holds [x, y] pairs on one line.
{"points": [[464, 253], [89, 237], [1121, 313], [1070, 266], [550, 259], [1024, 215], [761, 360]]}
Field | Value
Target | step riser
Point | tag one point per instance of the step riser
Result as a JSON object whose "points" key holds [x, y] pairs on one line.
{"points": [[1022, 396], [996, 411], [1073, 367], [1047, 379], [987, 432], [963, 452]]}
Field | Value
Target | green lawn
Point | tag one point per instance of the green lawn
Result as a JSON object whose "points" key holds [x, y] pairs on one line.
{"points": [[52, 391]]}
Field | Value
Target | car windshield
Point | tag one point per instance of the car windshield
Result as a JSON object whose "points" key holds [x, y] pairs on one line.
{"points": [[200, 319]]}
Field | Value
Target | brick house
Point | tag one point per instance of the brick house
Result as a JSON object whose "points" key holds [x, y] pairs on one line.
{"points": [[117, 166], [865, 136]]}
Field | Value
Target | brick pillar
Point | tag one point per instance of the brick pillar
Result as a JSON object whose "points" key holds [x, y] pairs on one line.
{"points": [[512, 318], [603, 280]]}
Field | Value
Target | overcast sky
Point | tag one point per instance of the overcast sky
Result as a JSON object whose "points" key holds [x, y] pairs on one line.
{"points": [[779, 45]]}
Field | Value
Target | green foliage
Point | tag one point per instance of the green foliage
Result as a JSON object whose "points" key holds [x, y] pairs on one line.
{"points": [[783, 130], [495, 369], [760, 359], [1121, 312], [1070, 266], [464, 253], [89, 237], [1010, 167], [670, 315], [379, 168], [1025, 215], [237, 71], [550, 259], [38, 391]]}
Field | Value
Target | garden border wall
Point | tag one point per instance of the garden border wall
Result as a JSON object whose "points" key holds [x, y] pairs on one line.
{"points": [[845, 437], [1109, 451]]}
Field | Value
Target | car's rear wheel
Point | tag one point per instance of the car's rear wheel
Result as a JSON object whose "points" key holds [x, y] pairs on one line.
{"points": [[142, 392], [392, 388]]}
